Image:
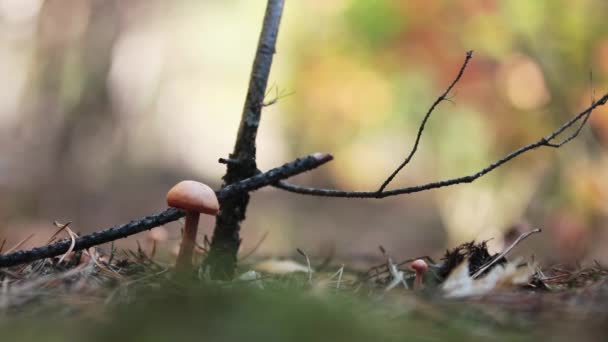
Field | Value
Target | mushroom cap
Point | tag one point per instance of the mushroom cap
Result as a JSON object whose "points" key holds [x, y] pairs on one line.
{"points": [[419, 265], [193, 196]]}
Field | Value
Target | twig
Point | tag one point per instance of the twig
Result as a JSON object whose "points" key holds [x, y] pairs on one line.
{"points": [[504, 253], [339, 273], [277, 97], [225, 243], [397, 276], [307, 264], [168, 215], [112, 253], [383, 268], [441, 98], [545, 141]]}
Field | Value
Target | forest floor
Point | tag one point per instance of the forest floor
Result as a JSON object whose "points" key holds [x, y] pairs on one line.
{"points": [[133, 297]]}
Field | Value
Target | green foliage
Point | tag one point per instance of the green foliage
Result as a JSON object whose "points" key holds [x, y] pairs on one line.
{"points": [[375, 22]]}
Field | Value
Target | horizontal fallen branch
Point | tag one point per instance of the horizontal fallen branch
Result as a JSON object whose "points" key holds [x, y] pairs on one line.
{"points": [[547, 141], [258, 181]]}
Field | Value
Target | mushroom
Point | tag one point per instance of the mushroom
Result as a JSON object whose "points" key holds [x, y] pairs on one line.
{"points": [[195, 198], [420, 266]]}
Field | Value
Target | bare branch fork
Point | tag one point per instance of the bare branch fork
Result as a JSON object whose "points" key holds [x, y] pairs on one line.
{"points": [[168, 215], [547, 141], [440, 99]]}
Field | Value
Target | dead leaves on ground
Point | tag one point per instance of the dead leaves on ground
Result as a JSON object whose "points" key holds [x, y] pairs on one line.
{"points": [[503, 277], [467, 272]]}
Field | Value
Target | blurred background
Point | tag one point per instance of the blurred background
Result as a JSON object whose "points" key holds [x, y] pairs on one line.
{"points": [[106, 104]]}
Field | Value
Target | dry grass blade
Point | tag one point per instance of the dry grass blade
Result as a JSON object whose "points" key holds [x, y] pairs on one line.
{"points": [[307, 264], [125, 285], [72, 237], [61, 226], [19, 244], [339, 273]]}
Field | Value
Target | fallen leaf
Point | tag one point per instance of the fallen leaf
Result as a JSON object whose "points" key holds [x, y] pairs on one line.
{"points": [[460, 284], [280, 267]]}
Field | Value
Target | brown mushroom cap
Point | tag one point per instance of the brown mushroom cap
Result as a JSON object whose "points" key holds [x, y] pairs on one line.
{"points": [[193, 196]]}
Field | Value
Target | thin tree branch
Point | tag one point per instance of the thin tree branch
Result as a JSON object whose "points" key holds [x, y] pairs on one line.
{"points": [[226, 241], [441, 98], [168, 215], [505, 252], [545, 141], [245, 147]]}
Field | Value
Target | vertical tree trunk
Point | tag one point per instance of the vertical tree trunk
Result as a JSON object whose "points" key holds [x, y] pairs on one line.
{"points": [[221, 260]]}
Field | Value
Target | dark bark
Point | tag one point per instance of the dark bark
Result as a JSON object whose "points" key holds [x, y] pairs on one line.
{"points": [[441, 98], [226, 240], [169, 215]]}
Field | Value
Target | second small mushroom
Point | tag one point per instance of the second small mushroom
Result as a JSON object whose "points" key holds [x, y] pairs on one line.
{"points": [[420, 266], [195, 198]]}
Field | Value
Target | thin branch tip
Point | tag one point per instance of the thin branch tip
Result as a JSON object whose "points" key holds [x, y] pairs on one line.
{"points": [[441, 98], [324, 157]]}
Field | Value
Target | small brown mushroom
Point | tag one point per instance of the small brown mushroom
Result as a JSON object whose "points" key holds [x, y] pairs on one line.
{"points": [[195, 198], [420, 266]]}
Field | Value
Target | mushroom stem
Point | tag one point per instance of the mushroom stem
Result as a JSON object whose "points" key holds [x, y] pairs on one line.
{"points": [[418, 280], [184, 258]]}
